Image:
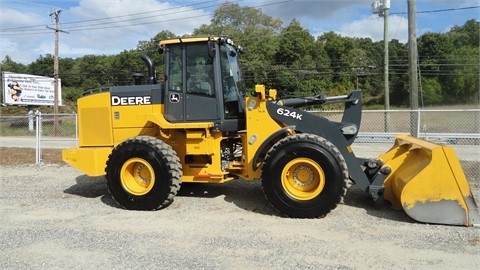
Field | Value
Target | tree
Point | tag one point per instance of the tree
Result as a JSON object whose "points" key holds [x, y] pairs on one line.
{"points": [[466, 35], [368, 63], [291, 60], [452, 59], [433, 51], [254, 31], [125, 64], [95, 71], [232, 19], [68, 77], [398, 72], [43, 66], [339, 50], [431, 91], [295, 68], [150, 48], [462, 83], [8, 64]]}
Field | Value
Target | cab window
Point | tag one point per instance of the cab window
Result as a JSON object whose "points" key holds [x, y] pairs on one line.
{"points": [[175, 72], [199, 70]]}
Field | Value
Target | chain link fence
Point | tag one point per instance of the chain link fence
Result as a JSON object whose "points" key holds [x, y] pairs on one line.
{"points": [[39, 131], [458, 128], [58, 127], [439, 126]]}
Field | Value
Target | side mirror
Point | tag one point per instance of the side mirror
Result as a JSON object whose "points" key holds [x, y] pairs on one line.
{"points": [[161, 49], [211, 49]]}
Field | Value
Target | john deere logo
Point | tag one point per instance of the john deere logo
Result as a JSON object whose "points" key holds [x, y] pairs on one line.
{"points": [[174, 98], [122, 101]]}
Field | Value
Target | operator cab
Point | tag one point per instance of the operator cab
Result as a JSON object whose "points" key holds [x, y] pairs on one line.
{"points": [[203, 82]]}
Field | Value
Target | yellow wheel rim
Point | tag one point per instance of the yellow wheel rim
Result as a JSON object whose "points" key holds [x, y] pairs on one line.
{"points": [[303, 179], [137, 176]]}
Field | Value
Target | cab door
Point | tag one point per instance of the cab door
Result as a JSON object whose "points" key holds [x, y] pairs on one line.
{"points": [[201, 102], [191, 90], [175, 98]]}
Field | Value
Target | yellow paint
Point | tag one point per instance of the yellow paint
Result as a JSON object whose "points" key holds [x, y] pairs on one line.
{"points": [[303, 179], [95, 126], [259, 127], [423, 172], [186, 40], [89, 160], [137, 176]]}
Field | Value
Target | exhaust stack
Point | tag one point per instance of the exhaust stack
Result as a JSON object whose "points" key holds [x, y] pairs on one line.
{"points": [[151, 69]]}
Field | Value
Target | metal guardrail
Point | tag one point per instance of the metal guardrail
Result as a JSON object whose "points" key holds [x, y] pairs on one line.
{"points": [[459, 126], [440, 138]]}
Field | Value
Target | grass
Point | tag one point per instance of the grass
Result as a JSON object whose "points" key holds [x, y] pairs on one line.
{"points": [[16, 156]]}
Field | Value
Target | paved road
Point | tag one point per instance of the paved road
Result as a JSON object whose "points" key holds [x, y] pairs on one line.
{"points": [[30, 142], [365, 150]]}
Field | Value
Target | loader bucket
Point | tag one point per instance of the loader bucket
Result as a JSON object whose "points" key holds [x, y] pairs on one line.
{"points": [[427, 181]]}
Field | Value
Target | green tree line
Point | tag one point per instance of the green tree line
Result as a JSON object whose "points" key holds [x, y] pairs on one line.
{"points": [[290, 59]]}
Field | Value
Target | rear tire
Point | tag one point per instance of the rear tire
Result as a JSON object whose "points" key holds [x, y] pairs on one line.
{"points": [[143, 173], [304, 176]]}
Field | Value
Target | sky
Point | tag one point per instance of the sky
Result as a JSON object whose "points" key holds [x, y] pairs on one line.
{"points": [[107, 27]]}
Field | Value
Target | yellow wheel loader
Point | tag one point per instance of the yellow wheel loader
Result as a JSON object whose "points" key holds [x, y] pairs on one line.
{"points": [[199, 126]]}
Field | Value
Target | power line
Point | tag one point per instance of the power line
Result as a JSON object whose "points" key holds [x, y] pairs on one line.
{"points": [[437, 10], [102, 25], [149, 12], [122, 16], [79, 28]]}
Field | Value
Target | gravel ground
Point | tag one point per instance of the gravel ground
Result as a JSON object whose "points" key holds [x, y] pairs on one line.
{"points": [[53, 217]]}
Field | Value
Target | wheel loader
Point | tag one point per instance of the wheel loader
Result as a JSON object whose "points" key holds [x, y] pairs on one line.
{"points": [[199, 126]]}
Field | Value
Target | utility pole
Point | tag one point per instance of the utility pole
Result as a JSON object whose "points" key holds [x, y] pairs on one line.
{"points": [[56, 15], [386, 7], [412, 68], [381, 8]]}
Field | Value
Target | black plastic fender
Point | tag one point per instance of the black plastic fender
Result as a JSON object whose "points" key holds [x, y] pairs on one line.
{"points": [[270, 141]]}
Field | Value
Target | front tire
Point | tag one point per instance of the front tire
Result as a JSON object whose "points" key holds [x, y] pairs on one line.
{"points": [[143, 173], [304, 176]]}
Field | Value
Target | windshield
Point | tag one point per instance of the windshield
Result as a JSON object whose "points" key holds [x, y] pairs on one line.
{"points": [[232, 82], [230, 65]]}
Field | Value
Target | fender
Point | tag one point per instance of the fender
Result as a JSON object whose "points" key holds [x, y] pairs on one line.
{"points": [[310, 123], [272, 138]]}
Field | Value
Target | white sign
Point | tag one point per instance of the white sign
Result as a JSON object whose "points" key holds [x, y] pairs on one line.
{"points": [[26, 89]]}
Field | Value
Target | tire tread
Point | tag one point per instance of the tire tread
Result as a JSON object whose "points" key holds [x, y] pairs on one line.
{"points": [[318, 140]]}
